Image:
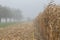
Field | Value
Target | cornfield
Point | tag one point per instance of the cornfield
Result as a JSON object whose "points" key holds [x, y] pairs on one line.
{"points": [[19, 31], [48, 23], [46, 26]]}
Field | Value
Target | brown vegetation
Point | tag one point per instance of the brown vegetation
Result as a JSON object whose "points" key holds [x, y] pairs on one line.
{"points": [[19, 31], [46, 27], [48, 24]]}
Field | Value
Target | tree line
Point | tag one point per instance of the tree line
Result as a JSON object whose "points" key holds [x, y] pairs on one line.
{"points": [[6, 12]]}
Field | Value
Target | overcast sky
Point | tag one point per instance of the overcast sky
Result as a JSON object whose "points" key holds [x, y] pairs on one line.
{"points": [[30, 8]]}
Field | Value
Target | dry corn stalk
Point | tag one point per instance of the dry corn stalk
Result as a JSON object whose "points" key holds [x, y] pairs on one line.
{"points": [[48, 24]]}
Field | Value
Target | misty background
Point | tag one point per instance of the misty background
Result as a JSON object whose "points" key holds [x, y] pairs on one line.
{"points": [[16, 10]]}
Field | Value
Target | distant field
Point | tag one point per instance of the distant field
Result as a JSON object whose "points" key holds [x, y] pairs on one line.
{"points": [[6, 24]]}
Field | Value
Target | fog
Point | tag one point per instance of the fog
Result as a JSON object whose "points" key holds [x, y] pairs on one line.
{"points": [[29, 8]]}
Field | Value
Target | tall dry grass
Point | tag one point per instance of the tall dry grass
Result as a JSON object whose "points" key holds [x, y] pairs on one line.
{"points": [[48, 24]]}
